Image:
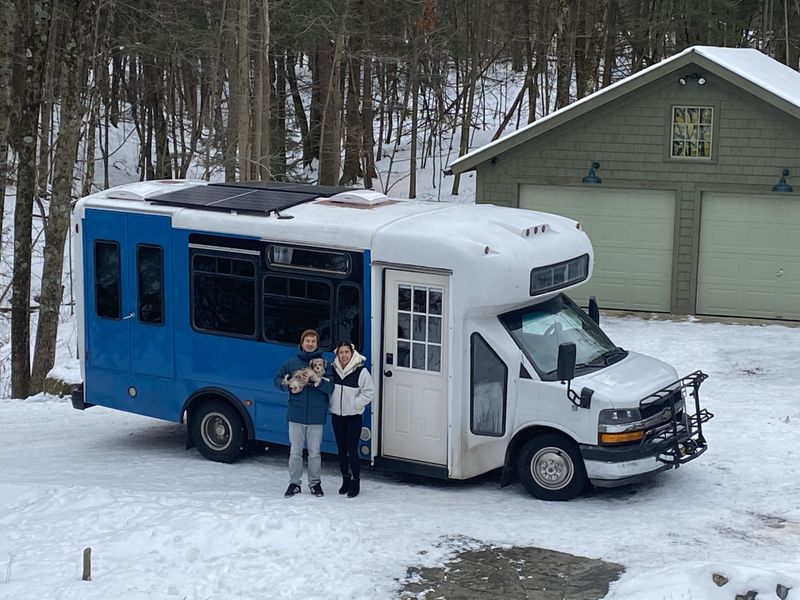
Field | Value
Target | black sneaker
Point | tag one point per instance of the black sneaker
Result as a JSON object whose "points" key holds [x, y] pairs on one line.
{"points": [[316, 490], [292, 490]]}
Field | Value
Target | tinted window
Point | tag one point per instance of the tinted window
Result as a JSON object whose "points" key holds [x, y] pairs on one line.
{"points": [[292, 305], [150, 284], [348, 315], [312, 260], [224, 295], [107, 279], [487, 389]]}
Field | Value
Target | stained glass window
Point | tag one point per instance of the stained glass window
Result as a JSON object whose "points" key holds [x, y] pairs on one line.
{"points": [[692, 131]]}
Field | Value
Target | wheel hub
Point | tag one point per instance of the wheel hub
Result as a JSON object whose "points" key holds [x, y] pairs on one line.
{"points": [[552, 468], [216, 431]]}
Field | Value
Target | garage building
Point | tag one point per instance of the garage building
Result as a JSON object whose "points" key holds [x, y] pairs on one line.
{"points": [[682, 176]]}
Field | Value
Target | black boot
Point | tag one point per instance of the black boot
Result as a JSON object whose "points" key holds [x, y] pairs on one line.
{"points": [[355, 487], [345, 484]]}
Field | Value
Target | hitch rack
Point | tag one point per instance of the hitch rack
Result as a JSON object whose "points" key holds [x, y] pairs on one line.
{"points": [[687, 437]]}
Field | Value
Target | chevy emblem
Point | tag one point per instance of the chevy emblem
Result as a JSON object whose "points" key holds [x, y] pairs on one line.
{"points": [[666, 414]]}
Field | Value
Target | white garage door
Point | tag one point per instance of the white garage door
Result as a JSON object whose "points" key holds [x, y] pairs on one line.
{"points": [[632, 233], [749, 261]]}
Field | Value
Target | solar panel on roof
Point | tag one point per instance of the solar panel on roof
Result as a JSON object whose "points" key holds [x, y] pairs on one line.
{"points": [[259, 197], [318, 190]]}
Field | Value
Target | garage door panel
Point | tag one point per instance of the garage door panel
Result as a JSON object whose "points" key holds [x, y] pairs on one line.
{"points": [[749, 257], [632, 235]]}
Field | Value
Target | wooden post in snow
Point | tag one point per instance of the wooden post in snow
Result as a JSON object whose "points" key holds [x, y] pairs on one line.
{"points": [[87, 564]]}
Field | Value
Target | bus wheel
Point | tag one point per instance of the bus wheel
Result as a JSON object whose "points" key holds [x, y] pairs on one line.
{"points": [[551, 468], [218, 431]]}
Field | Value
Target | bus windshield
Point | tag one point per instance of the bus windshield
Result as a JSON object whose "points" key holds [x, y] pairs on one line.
{"points": [[539, 329]]}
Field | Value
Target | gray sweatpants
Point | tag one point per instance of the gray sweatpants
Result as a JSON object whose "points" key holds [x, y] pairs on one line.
{"points": [[311, 436]]}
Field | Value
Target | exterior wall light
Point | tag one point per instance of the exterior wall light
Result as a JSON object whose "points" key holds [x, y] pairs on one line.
{"points": [[591, 176], [782, 186], [696, 76]]}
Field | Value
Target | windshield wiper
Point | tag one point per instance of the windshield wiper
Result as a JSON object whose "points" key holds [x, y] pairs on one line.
{"points": [[606, 357]]}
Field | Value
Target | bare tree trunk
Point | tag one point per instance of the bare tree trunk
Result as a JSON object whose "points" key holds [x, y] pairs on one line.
{"points": [[609, 56], [330, 140], [33, 24], [7, 25], [299, 110], [278, 126], [229, 130], [368, 127], [565, 44], [354, 137], [243, 91], [412, 169], [261, 108], [72, 81]]}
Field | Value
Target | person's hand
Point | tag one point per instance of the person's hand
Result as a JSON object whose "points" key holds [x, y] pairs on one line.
{"points": [[304, 376]]}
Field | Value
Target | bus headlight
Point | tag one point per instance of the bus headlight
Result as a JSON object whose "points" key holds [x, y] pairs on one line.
{"points": [[619, 416]]}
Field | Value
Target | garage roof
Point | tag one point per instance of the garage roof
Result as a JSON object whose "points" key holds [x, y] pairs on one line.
{"points": [[746, 68]]}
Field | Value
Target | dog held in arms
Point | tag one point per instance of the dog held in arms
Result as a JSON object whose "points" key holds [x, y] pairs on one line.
{"points": [[312, 373]]}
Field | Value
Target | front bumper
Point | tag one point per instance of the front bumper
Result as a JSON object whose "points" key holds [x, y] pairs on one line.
{"points": [[676, 441], [613, 474]]}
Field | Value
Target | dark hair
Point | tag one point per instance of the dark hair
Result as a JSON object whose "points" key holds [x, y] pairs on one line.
{"points": [[344, 343]]}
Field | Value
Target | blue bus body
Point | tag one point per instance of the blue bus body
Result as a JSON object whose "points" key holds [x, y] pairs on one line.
{"points": [[157, 364]]}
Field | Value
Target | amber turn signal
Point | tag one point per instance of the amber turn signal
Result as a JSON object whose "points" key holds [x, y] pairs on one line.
{"points": [[621, 438]]}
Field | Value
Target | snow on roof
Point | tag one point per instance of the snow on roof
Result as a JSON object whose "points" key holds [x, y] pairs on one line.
{"points": [[395, 230], [749, 64], [758, 68]]}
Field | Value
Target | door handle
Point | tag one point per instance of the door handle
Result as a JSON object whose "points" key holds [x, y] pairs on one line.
{"points": [[387, 373], [130, 316]]}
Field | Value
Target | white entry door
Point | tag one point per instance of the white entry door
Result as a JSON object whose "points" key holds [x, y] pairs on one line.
{"points": [[415, 367]]}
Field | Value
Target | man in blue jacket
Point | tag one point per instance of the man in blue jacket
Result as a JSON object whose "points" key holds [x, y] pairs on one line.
{"points": [[308, 411]]}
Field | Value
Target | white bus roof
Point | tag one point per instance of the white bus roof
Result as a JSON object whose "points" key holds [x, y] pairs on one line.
{"points": [[430, 234]]}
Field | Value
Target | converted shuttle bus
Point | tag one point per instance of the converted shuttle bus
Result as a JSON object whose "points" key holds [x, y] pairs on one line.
{"points": [[191, 296]]}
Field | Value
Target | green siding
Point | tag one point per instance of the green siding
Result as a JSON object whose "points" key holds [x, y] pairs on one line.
{"points": [[753, 141]]}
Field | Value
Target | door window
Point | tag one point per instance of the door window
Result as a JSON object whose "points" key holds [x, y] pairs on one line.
{"points": [[150, 284], [419, 327], [107, 279]]}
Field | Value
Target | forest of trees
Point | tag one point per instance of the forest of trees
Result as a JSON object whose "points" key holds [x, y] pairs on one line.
{"points": [[307, 90]]}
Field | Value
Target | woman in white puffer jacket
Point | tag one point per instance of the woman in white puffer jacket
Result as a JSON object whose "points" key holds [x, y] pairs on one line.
{"points": [[352, 392]]}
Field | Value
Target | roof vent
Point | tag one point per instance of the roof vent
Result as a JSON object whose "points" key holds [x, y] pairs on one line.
{"points": [[364, 197], [125, 195]]}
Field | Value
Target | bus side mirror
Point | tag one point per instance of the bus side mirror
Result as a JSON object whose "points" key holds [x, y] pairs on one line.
{"points": [[566, 362], [594, 311]]}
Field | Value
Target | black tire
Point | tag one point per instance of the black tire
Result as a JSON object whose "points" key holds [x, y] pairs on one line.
{"points": [[218, 431], [550, 467]]}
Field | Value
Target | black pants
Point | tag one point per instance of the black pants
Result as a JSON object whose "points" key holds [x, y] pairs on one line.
{"points": [[347, 430]]}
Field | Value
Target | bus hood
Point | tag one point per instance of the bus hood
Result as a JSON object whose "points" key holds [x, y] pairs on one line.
{"points": [[625, 383]]}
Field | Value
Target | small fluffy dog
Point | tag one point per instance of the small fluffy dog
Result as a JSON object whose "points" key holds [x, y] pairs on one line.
{"points": [[316, 366], [312, 373], [295, 382]]}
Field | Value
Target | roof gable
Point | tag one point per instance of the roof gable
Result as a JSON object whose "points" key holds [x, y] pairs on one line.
{"points": [[746, 68]]}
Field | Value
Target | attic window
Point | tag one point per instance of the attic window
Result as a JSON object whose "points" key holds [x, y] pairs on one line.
{"points": [[692, 132]]}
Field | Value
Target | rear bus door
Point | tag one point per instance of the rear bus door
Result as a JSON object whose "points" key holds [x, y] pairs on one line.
{"points": [[128, 329]]}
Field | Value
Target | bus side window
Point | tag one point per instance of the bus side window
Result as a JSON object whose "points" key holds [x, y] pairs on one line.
{"points": [[348, 315], [150, 284], [107, 279], [294, 304], [488, 391], [224, 295]]}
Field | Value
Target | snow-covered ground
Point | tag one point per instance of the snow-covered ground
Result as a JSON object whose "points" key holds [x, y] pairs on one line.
{"points": [[164, 523]]}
